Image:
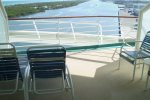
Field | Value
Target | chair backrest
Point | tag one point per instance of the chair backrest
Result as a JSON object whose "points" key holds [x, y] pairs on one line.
{"points": [[145, 46], [9, 65], [47, 61]]}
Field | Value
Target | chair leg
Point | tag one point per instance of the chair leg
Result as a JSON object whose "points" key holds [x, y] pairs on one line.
{"points": [[146, 82], [134, 71], [114, 53], [147, 78], [142, 71], [26, 81], [71, 84], [31, 84], [119, 63], [139, 61], [72, 90]]}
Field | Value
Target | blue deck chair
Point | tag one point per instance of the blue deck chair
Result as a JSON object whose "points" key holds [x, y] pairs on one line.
{"points": [[9, 68], [134, 56], [48, 62]]}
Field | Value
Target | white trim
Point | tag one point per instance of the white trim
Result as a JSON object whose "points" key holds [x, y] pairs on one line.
{"points": [[4, 35]]}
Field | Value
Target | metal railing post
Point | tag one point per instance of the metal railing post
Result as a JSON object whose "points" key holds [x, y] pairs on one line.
{"points": [[100, 34], [119, 26], [58, 32], [36, 29], [74, 36]]}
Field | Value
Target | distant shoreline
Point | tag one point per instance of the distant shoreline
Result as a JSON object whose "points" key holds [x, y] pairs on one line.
{"points": [[32, 8]]}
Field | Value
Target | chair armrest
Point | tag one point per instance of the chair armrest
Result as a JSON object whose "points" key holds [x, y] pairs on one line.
{"points": [[127, 44], [138, 41]]}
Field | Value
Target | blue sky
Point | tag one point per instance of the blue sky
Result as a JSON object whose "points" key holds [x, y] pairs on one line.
{"points": [[14, 0], [11, 0]]}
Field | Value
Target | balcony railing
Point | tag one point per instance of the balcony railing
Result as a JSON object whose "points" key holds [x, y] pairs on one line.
{"points": [[72, 31]]}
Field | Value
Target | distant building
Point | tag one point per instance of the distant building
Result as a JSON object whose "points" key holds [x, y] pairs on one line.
{"points": [[137, 8]]}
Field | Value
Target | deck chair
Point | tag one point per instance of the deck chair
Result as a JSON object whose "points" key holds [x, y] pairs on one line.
{"points": [[10, 72], [48, 62], [134, 56]]}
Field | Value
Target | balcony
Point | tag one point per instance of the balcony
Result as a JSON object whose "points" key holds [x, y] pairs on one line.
{"points": [[94, 72], [90, 46]]}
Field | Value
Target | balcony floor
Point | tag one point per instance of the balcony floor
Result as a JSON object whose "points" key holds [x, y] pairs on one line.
{"points": [[95, 77]]}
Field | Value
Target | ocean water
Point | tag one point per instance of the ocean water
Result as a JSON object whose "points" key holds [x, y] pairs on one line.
{"points": [[90, 8], [14, 2]]}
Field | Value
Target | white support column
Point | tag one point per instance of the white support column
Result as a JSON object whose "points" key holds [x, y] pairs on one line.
{"points": [[4, 36], [141, 31]]}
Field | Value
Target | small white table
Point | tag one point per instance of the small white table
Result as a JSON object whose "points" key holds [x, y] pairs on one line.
{"points": [[147, 62]]}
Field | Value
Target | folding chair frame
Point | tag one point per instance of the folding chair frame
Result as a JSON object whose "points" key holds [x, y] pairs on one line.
{"points": [[11, 52], [31, 82], [143, 53]]}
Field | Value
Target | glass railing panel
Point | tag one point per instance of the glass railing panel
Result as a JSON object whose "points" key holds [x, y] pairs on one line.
{"points": [[100, 30]]}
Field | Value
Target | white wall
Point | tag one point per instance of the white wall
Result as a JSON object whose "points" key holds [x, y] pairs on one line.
{"points": [[143, 24]]}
